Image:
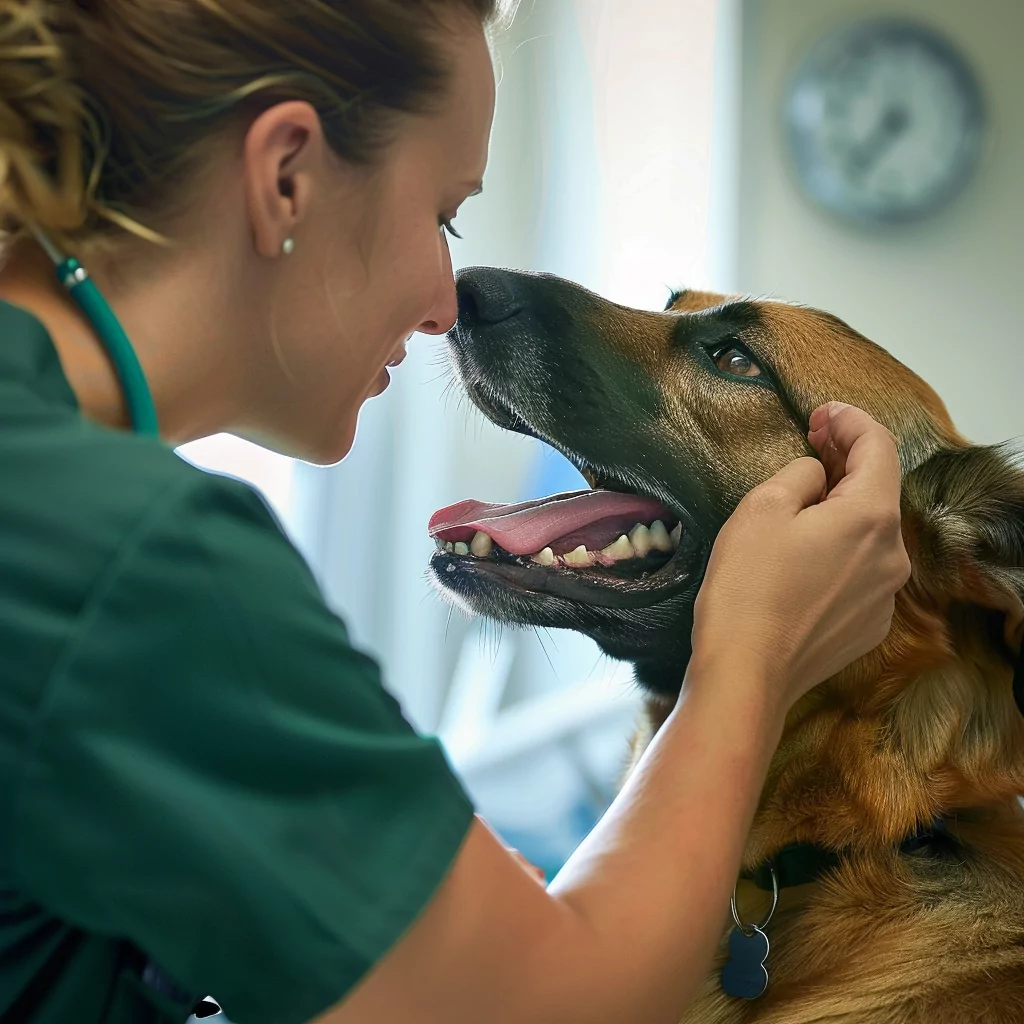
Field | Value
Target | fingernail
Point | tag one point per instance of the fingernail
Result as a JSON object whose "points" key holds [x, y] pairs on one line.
{"points": [[835, 408], [819, 416]]}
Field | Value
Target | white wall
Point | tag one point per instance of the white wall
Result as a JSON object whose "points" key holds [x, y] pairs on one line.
{"points": [[943, 296]]}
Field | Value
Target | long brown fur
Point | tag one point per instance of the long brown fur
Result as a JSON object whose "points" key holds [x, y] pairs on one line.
{"points": [[922, 728]]}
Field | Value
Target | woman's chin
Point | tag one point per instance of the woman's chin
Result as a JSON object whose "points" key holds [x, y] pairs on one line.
{"points": [[380, 385], [333, 447]]}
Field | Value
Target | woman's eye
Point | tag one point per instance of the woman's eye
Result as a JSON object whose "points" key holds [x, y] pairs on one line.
{"points": [[449, 226], [736, 362]]}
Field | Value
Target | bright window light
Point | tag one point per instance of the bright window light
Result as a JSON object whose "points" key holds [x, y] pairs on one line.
{"points": [[268, 472]]}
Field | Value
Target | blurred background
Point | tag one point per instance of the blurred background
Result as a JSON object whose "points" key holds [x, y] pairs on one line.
{"points": [[796, 149]]}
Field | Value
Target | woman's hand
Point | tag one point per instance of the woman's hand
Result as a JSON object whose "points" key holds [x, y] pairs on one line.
{"points": [[803, 576]]}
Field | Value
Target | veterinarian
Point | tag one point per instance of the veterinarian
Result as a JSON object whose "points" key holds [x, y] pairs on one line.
{"points": [[205, 789]]}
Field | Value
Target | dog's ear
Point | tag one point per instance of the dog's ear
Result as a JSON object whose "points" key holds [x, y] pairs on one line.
{"points": [[964, 510]]}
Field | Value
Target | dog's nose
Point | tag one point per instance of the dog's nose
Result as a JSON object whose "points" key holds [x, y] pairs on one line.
{"points": [[487, 296]]}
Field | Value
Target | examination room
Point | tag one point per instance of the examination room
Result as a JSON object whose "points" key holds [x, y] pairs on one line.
{"points": [[511, 511]]}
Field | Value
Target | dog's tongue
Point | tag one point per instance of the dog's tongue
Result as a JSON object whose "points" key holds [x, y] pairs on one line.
{"points": [[531, 526]]}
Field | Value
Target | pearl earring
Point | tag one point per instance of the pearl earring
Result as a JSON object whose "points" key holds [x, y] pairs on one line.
{"points": [[288, 246]]}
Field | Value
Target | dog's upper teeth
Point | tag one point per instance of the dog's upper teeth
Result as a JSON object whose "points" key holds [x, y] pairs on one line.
{"points": [[449, 547], [481, 545], [545, 557], [677, 536], [640, 538], [660, 540], [581, 556], [620, 551], [461, 548]]}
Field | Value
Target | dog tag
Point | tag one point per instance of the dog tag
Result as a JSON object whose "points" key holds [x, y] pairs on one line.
{"points": [[745, 975]]}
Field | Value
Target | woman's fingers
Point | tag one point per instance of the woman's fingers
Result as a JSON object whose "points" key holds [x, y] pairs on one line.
{"points": [[813, 580], [793, 488], [859, 454]]}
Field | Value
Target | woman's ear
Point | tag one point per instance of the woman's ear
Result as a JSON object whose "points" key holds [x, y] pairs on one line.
{"points": [[283, 153], [965, 508]]}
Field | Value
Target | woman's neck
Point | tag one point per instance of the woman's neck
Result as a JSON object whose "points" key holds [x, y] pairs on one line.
{"points": [[164, 333]]}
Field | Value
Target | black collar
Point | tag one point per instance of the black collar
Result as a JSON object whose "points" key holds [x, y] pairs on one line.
{"points": [[801, 863]]}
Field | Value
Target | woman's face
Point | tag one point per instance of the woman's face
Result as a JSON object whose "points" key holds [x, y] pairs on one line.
{"points": [[370, 267]]}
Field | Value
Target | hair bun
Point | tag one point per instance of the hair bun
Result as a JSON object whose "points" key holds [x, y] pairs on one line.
{"points": [[42, 125]]}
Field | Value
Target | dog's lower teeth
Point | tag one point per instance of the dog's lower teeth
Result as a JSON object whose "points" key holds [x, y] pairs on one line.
{"points": [[660, 540], [620, 551], [639, 543], [640, 538], [481, 545], [581, 556], [545, 557]]}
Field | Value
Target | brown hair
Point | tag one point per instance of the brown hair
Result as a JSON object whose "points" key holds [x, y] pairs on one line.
{"points": [[105, 104]]}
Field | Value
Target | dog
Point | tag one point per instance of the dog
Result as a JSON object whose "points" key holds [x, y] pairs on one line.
{"points": [[894, 793]]}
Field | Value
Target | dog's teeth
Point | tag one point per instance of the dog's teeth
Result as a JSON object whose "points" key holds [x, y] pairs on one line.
{"points": [[677, 536], [640, 538], [461, 548], [581, 556], [449, 547], [620, 551], [481, 545], [545, 557], [660, 540]]}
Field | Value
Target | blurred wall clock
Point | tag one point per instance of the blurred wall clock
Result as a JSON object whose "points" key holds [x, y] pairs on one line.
{"points": [[885, 122]]}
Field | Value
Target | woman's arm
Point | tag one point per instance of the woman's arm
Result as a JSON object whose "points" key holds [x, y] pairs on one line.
{"points": [[626, 931]]}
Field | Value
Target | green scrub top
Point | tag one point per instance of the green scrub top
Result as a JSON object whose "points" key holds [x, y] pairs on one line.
{"points": [[204, 789]]}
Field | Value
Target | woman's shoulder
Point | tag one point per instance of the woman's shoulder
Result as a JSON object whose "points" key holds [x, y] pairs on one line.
{"points": [[86, 491], [94, 510]]}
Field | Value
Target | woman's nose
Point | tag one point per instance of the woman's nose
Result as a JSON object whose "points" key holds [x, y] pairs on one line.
{"points": [[446, 309]]}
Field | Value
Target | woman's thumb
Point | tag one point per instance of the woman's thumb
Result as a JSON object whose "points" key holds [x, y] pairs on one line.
{"points": [[795, 487]]}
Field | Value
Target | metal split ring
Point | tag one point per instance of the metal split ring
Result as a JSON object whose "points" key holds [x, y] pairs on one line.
{"points": [[749, 929]]}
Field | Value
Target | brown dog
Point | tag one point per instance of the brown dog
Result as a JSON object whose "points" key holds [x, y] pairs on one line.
{"points": [[891, 814]]}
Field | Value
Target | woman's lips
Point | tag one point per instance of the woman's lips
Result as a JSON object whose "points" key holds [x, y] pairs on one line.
{"points": [[380, 385], [402, 353]]}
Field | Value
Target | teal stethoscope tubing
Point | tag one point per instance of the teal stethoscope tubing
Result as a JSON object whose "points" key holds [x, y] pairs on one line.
{"points": [[80, 286]]}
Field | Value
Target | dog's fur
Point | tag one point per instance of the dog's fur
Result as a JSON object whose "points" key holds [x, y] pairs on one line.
{"points": [[924, 727]]}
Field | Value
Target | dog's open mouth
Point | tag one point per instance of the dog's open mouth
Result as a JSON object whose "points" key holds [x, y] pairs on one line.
{"points": [[594, 546], [612, 546], [600, 530]]}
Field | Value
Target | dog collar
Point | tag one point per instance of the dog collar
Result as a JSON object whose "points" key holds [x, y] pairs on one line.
{"points": [[802, 863]]}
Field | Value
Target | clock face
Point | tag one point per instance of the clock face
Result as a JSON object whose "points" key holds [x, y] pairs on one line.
{"points": [[885, 122]]}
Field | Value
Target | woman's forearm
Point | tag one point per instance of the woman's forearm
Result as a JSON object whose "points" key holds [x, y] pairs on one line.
{"points": [[624, 933], [650, 886]]}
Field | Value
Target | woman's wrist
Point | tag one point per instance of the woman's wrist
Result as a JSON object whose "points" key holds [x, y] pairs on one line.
{"points": [[737, 686]]}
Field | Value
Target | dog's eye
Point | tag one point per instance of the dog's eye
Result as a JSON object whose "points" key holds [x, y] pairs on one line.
{"points": [[737, 362]]}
